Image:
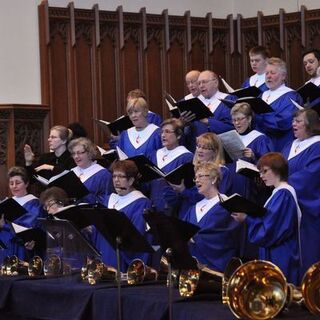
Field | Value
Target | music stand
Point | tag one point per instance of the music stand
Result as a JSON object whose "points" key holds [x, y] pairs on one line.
{"points": [[173, 235], [66, 240], [119, 231]]}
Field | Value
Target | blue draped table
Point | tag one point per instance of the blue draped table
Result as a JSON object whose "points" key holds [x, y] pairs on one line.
{"points": [[68, 298]]}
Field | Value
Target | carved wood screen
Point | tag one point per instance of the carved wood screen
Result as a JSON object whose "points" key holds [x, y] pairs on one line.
{"points": [[90, 59]]}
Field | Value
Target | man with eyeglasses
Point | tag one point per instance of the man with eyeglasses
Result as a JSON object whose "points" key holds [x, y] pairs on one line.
{"points": [[210, 95]]}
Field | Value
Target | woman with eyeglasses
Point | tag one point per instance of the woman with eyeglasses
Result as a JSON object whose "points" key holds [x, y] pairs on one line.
{"points": [[96, 178], [169, 157], [18, 185], [256, 145], [129, 201], [303, 156], [143, 137], [277, 232], [217, 240], [208, 149], [54, 162]]}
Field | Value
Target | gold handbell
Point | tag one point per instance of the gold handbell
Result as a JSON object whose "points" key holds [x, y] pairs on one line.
{"points": [[309, 292], [35, 267], [95, 270], [52, 266], [13, 266], [138, 272], [257, 290], [201, 280]]}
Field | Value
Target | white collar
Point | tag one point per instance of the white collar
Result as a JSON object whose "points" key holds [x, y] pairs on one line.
{"points": [[315, 80], [213, 102], [249, 137], [257, 80], [85, 174], [138, 138], [189, 96], [118, 202], [270, 96], [298, 146], [203, 206], [165, 156], [23, 200]]}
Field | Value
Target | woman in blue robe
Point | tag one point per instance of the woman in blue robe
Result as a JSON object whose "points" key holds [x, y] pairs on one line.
{"points": [[217, 241], [208, 149], [256, 145], [144, 137], [18, 184], [303, 156], [132, 203], [277, 232], [277, 124], [96, 178], [163, 197]]}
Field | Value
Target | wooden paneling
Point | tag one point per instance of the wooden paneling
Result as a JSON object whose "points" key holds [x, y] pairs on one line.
{"points": [[90, 59]]}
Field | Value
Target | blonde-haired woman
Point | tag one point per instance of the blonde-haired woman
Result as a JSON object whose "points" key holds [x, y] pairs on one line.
{"points": [[208, 149], [218, 238], [143, 137]]}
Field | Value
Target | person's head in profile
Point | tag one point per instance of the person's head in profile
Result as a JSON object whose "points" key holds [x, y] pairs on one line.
{"points": [[53, 199]]}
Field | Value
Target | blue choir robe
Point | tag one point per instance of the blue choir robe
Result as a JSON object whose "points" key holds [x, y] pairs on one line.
{"points": [[154, 118], [257, 81], [161, 194], [133, 142], [97, 180], [132, 205], [217, 240], [304, 175], [190, 196], [260, 144], [278, 124], [28, 220], [219, 122], [277, 232]]}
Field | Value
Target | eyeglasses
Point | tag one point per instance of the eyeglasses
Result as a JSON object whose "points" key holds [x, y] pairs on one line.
{"points": [[78, 153], [49, 204], [119, 176], [167, 131], [238, 119], [199, 146], [200, 177], [264, 171], [200, 82]]}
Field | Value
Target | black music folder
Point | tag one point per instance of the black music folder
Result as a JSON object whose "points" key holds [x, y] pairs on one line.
{"points": [[195, 106], [237, 203], [173, 233], [309, 92], [30, 234], [118, 125], [183, 172], [171, 103], [247, 92], [11, 209], [247, 169], [2, 245], [257, 104], [68, 181], [117, 229]]}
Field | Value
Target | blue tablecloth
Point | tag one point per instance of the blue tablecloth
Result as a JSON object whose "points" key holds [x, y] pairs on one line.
{"points": [[68, 298]]}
